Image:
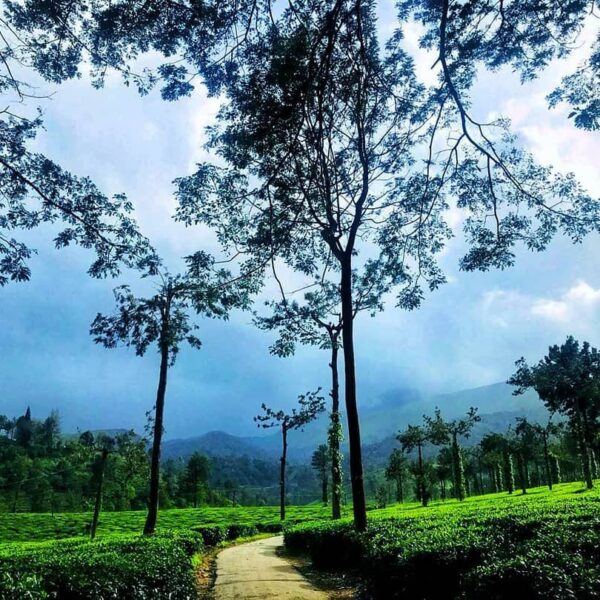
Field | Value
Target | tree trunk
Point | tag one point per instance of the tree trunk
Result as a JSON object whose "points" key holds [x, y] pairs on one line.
{"points": [[509, 476], [356, 469], [583, 448], [555, 468], [522, 474], [459, 471], [498, 476], [399, 490], [547, 463], [422, 491], [98, 503], [282, 474], [325, 495], [158, 431], [335, 432]]}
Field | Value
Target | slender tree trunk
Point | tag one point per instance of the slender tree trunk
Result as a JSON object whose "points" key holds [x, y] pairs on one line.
{"points": [[583, 448], [459, 471], [356, 469], [498, 475], [158, 430], [555, 469], [282, 474], [399, 489], [335, 432], [16, 497], [422, 491], [98, 503], [522, 473], [547, 463], [325, 495], [509, 476]]}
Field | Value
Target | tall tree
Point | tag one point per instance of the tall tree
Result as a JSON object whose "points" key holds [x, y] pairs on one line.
{"points": [[396, 471], [448, 433], [318, 322], [197, 472], [163, 320], [309, 406], [325, 134], [104, 444], [414, 438], [320, 463], [567, 380]]}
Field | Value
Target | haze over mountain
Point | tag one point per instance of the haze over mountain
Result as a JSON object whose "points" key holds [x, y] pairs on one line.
{"points": [[379, 424]]}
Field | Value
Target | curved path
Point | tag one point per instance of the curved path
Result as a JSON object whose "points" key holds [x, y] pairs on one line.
{"points": [[254, 570]]}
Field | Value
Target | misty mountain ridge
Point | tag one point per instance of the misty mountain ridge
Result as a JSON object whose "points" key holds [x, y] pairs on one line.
{"points": [[380, 423]]}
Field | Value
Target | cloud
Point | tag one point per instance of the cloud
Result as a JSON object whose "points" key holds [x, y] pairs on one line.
{"points": [[577, 307], [579, 302]]}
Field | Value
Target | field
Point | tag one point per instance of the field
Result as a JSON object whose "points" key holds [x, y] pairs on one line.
{"points": [[544, 545]]}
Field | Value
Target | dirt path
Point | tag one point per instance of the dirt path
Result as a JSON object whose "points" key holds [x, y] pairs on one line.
{"points": [[255, 570]]}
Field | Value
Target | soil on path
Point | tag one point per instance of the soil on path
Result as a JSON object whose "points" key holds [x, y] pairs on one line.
{"points": [[255, 570]]}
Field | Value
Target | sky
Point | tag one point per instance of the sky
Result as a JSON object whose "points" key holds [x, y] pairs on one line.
{"points": [[467, 334]]}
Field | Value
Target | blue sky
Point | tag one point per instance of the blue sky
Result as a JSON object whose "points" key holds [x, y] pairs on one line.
{"points": [[467, 334]]}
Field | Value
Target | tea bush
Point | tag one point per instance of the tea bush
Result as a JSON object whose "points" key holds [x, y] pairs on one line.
{"points": [[539, 547], [126, 567]]}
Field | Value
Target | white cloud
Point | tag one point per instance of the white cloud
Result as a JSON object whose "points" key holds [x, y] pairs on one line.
{"points": [[579, 302], [577, 307]]}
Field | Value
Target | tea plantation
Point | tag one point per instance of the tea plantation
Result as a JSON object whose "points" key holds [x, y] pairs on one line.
{"points": [[544, 545]]}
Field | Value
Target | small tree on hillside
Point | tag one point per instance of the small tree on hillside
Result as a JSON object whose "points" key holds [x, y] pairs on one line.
{"points": [[197, 472], [567, 380], [448, 433], [310, 405], [414, 438], [320, 463], [104, 444], [396, 471], [163, 320]]}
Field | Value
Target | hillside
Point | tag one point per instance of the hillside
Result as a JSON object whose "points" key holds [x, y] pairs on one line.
{"points": [[379, 424]]}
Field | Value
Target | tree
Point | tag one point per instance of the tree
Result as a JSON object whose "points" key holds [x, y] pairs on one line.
{"points": [[317, 322], [310, 405], [104, 444], [197, 472], [396, 470], [324, 152], [448, 433], [163, 320], [567, 380], [544, 433], [320, 463], [468, 36], [414, 438]]}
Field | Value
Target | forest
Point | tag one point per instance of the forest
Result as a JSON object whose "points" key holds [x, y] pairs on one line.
{"points": [[356, 166]]}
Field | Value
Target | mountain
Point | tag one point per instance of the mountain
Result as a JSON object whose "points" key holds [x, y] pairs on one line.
{"points": [[213, 443], [380, 423]]}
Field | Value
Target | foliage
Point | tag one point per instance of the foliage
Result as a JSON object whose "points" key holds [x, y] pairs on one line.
{"points": [[492, 546], [126, 567]]}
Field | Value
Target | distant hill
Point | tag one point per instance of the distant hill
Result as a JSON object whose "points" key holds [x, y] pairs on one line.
{"points": [[213, 443], [379, 424]]}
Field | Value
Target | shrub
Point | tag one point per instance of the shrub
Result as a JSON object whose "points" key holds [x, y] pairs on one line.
{"points": [[120, 568]]}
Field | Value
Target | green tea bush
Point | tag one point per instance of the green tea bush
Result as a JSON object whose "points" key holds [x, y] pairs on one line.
{"points": [[127, 568], [537, 549]]}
